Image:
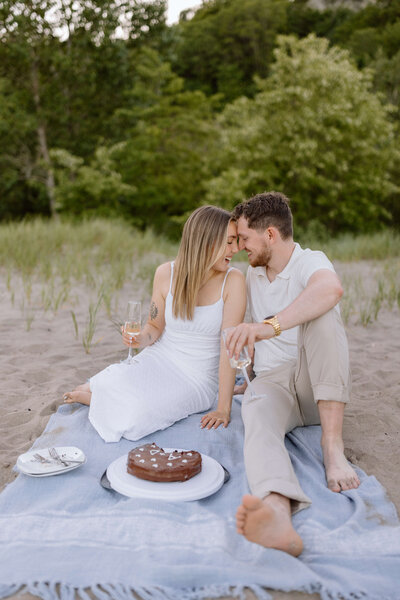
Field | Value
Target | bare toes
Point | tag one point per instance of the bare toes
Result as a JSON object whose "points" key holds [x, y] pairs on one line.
{"points": [[354, 483], [240, 520], [334, 486], [81, 397]]}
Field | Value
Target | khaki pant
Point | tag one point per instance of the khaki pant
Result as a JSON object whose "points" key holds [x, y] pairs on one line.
{"points": [[289, 399]]}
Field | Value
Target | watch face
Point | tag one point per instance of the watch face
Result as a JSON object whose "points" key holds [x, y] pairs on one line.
{"points": [[270, 317]]}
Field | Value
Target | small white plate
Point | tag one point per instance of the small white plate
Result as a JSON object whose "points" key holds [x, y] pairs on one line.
{"points": [[28, 465], [205, 483]]}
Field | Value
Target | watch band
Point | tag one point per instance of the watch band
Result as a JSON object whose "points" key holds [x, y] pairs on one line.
{"points": [[272, 320]]}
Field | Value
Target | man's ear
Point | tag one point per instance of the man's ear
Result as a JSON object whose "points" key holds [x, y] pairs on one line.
{"points": [[271, 234]]}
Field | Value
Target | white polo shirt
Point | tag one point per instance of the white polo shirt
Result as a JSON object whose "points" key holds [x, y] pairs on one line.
{"points": [[267, 298]]}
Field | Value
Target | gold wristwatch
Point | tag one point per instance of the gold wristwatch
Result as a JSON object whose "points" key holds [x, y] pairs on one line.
{"points": [[272, 320]]}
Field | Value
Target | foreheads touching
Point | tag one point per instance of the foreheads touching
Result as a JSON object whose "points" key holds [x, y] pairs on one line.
{"points": [[269, 209]]}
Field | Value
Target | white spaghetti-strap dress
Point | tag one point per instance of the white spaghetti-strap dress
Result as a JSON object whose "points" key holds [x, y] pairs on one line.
{"points": [[169, 380]]}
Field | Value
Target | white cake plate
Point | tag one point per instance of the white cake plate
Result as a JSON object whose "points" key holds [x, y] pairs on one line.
{"points": [[207, 482]]}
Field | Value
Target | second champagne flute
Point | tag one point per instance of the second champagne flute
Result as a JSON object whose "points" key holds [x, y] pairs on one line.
{"points": [[242, 362], [133, 322]]}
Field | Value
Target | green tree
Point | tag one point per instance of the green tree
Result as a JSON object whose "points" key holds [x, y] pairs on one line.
{"points": [[168, 133], [22, 36], [158, 161], [69, 72], [226, 43], [90, 189], [317, 132], [19, 190]]}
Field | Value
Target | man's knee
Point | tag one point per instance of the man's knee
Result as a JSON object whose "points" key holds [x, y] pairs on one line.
{"points": [[257, 411], [323, 354], [252, 404], [325, 327]]}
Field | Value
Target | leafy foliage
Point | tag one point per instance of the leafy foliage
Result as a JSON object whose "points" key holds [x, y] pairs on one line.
{"points": [[315, 130], [106, 110], [69, 73], [227, 42], [156, 170]]}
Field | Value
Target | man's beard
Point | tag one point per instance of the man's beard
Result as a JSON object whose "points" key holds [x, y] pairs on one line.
{"points": [[261, 259]]}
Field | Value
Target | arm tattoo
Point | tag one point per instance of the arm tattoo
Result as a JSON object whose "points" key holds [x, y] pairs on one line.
{"points": [[153, 311]]}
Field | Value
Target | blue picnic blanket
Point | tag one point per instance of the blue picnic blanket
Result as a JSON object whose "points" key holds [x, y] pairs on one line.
{"points": [[62, 536]]}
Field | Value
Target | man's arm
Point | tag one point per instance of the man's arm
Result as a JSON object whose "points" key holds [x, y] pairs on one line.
{"points": [[322, 292]]}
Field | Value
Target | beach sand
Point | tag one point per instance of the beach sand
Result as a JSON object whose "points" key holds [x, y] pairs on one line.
{"points": [[39, 365]]}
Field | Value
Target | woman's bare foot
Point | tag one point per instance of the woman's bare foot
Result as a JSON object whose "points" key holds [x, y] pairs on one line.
{"points": [[268, 523], [84, 387], [340, 475], [81, 396]]}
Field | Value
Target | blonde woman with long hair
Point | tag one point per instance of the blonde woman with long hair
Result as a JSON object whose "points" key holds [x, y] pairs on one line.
{"points": [[183, 364]]}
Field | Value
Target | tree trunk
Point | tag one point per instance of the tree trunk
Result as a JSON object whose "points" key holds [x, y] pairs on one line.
{"points": [[42, 139]]}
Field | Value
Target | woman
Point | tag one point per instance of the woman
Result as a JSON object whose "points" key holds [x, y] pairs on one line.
{"points": [[184, 363]]}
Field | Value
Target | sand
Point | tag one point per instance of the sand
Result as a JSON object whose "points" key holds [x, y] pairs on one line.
{"points": [[39, 365]]}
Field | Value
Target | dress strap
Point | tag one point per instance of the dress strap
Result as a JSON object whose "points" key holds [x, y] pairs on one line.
{"points": [[172, 274], [226, 275]]}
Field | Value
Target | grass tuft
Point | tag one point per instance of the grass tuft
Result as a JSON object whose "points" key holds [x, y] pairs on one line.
{"points": [[42, 261]]}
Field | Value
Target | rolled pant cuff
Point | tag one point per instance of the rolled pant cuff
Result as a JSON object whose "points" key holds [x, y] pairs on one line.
{"points": [[329, 391], [298, 499]]}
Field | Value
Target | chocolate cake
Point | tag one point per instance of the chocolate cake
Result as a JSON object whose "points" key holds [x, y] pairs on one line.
{"points": [[154, 464]]}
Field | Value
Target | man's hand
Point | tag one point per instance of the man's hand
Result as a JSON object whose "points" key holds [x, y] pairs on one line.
{"points": [[247, 334]]}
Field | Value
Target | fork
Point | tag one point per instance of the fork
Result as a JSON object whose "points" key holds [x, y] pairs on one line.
{"points": [[66, 462], [54, 454], [41, 458]]}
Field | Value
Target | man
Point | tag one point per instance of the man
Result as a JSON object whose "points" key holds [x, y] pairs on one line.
{"points": [[301, 365]]}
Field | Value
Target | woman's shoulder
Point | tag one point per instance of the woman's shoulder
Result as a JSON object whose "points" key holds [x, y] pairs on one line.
{"points": [[235, 280], [235, 275], [162, 277], [163, 270]]}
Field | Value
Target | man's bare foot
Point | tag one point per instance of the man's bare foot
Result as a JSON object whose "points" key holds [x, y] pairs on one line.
{"points": [[77, 395], [268, 523], [340, 475]]}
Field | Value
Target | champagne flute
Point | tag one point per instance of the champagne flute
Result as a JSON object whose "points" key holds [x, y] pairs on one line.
{"points": [[242, 362], [132, 323]]}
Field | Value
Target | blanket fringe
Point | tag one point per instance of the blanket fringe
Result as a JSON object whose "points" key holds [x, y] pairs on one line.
{"points": [[62, 591], [327, 594]]}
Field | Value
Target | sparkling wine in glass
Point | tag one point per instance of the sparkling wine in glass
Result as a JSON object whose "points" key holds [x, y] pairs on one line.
{"points": [[132, 322], [242, 362]]}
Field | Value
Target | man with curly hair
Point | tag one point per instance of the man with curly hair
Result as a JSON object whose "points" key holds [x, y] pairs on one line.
{"points": [[301, 365]]}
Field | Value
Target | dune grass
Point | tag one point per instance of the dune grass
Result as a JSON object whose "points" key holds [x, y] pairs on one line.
{"points": [[104, 255], [76, 250], [381, 245], [366, 293], [376, 286], [68, 249]]}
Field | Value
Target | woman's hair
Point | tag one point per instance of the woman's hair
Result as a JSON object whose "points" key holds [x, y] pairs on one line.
{"points": [[202, 244]]}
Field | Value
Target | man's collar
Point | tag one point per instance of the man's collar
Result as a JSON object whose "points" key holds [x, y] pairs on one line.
{"points": [[285, 273]]}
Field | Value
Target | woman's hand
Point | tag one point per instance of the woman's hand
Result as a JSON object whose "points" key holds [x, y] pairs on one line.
{"points": [[130, 340], [214, 419]]}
